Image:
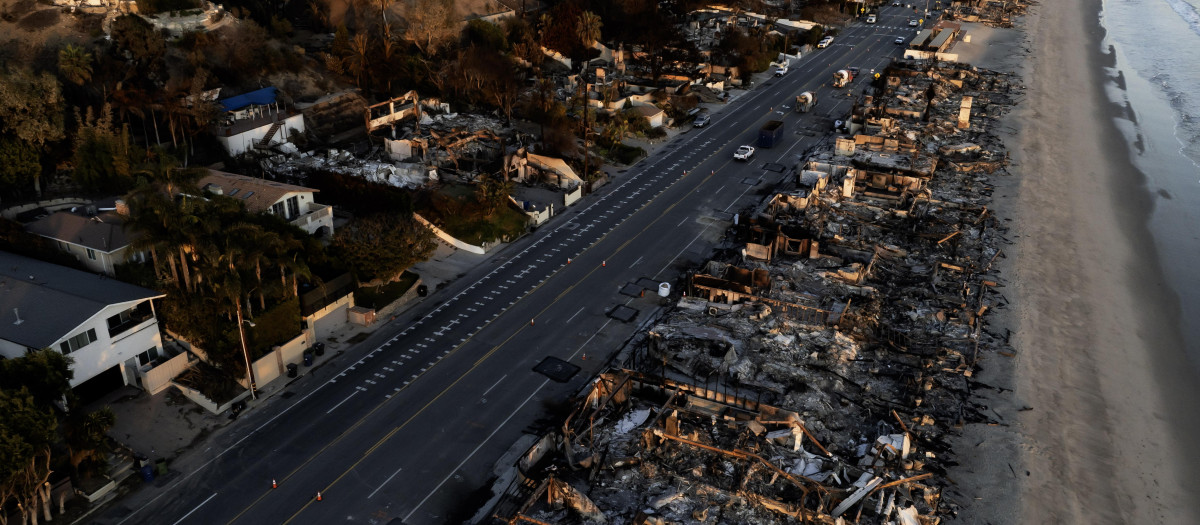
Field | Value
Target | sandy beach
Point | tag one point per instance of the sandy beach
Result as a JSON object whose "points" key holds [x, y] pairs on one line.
{"points": [[1099, 403]]}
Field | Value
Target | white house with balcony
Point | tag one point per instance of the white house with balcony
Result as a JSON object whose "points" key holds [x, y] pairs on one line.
{"points": [[294, 204], [256, 120], [107, 327]]}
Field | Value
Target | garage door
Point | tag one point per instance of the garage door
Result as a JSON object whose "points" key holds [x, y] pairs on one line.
{"points": [[336, 319]]}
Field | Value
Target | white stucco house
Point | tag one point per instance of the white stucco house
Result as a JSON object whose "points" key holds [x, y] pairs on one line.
{"points": [[256, 120], [107, 327], [295, 204]]}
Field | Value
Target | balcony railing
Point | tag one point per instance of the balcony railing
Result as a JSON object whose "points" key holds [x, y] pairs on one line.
{"points": [[317, 213]]}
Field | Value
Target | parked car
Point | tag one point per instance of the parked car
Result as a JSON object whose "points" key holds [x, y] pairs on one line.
{"points": [[781, 71], [743, 153], [913, 23], [825, 42], [701, 120]]}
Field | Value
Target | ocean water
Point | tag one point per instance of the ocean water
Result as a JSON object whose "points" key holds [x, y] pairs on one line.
{"points": [[1155, 48]]}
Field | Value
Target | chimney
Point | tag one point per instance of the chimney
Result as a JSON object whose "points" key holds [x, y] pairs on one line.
{"points": [[122, 208], [964, 112]]}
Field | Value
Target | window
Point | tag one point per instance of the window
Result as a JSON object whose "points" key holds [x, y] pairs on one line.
{"points": [[233, 192], [293, 205], [148, 356], [91, 254], [127, 320], [277, 209], [78, 341], [247, 195]]}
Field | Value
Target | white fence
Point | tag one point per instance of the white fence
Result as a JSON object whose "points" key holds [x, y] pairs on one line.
{"points": [[449, 239], [159, 378]]}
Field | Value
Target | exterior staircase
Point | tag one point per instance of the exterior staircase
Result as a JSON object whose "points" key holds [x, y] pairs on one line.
{"points": [[266, 140]]}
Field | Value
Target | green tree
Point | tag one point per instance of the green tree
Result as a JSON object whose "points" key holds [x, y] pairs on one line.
{"points": [[27, 432], [85, 434], [44, 374], [103, 152], [492, 193], [75, 64], [20, 164], [378, 248], [31, 106], [145, 46], [486, 34]]}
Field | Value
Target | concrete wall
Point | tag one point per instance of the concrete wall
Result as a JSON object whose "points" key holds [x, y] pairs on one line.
{"points": [[159, 377], [207, 403], [449, 239], [557, 57], [570, 197], [274, 365], [395, 306]]}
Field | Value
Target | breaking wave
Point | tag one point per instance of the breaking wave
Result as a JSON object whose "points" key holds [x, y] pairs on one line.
{"points": [[1188, 13]]}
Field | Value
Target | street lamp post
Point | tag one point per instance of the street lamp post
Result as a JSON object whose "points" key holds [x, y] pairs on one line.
{"points": [[246, 352]]}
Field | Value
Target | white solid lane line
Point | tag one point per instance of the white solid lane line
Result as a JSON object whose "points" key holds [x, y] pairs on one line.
{"points": [[195, 509], [343, 401]]}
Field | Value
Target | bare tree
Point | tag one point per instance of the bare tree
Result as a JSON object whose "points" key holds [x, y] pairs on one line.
{"points": [[430, 22]]}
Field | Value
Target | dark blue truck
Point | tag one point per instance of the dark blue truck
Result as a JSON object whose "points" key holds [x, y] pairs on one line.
{"points": [[770, 134]]}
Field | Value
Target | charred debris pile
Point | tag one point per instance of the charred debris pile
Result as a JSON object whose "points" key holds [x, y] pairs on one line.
{"points": [[815, 370]]}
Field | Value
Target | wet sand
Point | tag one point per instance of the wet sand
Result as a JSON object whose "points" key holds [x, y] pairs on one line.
{"points": [[1103, 404]]}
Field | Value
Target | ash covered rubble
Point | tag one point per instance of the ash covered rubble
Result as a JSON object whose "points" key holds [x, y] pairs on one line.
{"points": [[411, 142], [816, 369]]}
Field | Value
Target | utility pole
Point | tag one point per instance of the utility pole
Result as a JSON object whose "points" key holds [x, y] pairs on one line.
{"points": [[245, 352], [586, 129]]}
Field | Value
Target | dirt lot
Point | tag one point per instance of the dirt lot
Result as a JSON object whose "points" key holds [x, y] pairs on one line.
{"points": [[27, 29]]}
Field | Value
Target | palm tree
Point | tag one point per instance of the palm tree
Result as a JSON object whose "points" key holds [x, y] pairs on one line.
{"points": [[387, 54], [588, 28], [253, 242], [545, 21], [358, 61], [75, 64], [161, 226]]}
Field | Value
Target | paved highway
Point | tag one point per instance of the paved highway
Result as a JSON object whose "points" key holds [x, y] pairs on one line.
{"points": [[409, 423]]}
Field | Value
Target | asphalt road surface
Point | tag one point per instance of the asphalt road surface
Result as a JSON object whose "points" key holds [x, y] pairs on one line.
{"points": [[408, 424]]}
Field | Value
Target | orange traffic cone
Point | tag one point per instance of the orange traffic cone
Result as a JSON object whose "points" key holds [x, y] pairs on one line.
{"points": [[531, 322], [603, 263], [568, 260], [273, 484], [318, 495], [584, 357]]}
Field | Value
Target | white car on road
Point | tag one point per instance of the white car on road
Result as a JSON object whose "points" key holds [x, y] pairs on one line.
{"points": [[743, 153]]}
